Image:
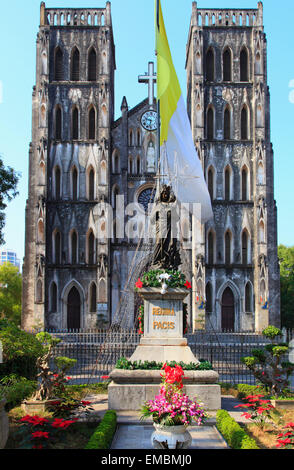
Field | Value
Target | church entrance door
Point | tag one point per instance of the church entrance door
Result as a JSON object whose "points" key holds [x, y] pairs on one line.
{"points": [[73, 309], [228, 310]]}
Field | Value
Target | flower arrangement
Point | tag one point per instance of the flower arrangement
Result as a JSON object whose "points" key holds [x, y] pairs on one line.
{"points": [[163, 279], [172, 407], [259, 410]]}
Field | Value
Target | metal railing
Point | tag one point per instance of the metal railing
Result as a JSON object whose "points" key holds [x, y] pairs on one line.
{"points": [[97, 351]]}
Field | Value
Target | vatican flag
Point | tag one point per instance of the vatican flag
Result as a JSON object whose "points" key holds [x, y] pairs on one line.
{"points": [[178, 155]]}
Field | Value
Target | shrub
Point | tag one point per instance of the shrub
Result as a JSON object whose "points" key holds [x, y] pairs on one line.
{"points": [[244, 390], [16, 389], [267, 364], [103, 435], [232, 432], [20, 351]]}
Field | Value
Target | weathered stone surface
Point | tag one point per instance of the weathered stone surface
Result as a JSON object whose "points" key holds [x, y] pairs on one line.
{"points": [[120, 376], [132, 396]]}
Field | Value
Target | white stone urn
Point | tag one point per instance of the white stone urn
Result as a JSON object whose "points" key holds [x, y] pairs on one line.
{"points": [[4, 424], [171, 437]]}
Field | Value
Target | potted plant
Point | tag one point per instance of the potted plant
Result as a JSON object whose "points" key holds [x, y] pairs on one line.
{"points": [[172, 412]]}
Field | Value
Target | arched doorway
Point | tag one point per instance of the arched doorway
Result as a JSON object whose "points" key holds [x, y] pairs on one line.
{"points": [[73, 309], [228, 310]]}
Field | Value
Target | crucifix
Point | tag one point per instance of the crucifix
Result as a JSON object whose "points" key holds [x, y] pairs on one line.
{"points": [[149, 78]]}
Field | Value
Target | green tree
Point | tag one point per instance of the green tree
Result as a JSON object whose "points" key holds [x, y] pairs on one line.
{"points": [[286, 256], [10, 293], [8, 183]]}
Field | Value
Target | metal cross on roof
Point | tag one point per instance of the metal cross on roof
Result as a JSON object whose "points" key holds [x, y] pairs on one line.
{"points": [[149, 78]]}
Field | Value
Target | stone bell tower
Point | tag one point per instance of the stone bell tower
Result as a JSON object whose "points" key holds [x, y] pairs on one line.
{"points": [[236, 270], [65, 272]]}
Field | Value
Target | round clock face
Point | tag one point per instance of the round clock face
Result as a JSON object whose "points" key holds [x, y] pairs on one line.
{"points": [[149, 120], [146, 197]]}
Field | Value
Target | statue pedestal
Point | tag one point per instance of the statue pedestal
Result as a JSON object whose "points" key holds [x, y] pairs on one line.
{"points": [[162, 341]]}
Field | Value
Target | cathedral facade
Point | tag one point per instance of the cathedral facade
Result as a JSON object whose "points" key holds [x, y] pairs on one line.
{"points": [[86, 168]]}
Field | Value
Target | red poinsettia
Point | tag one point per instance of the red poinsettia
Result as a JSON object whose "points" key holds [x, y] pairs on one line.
{"points": [[139, 284], [40, 434], [188, 285]]}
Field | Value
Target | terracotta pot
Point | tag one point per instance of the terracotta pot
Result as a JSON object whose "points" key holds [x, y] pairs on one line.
{"points": [[171, 437], [4, 424]]}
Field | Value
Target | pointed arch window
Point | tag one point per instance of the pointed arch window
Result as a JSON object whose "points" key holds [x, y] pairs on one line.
{"points": [[74, 176], [210, 123], [93, 297], [210, 182], [244, 123], [244, 184], [208, 295], [248, 298], [53, 297], [227, 183], [92, 66], [227, 124], [75, 123], [245, 247], [244, 75], [58, 123], [92, 123], [91, 184], [74, 247], [75, 66], [228, 247], [227, 65], [210, 250], [91, 248], [57, 247], [138, 165], [58, 65], [57, 178], [210, 72]]}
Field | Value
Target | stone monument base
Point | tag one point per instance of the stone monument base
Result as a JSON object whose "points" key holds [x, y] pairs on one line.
{"points": [[129, 389], [162, 350]]}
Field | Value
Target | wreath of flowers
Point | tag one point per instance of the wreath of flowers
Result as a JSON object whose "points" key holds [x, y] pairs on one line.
{"points": [[153, 278]]}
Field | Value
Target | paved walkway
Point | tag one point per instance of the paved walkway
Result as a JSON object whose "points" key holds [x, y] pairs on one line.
{"points": [[132, 433], [136, 436]]}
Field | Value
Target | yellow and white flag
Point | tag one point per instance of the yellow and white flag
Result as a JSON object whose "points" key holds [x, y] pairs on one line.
{"points": [[177, 150]]}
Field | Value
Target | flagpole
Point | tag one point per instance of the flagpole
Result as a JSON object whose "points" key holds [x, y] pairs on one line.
{"points": [[158, 170]]}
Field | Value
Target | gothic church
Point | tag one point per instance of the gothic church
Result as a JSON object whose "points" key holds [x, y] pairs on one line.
{"points": [[81, 161]]}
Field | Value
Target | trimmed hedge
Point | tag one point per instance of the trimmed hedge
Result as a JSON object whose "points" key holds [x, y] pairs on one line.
{"points": [[232, 432], [103, 435], [125, 364]]}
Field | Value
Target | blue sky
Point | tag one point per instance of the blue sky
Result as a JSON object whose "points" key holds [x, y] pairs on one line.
{"points": [[133, 23]]}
